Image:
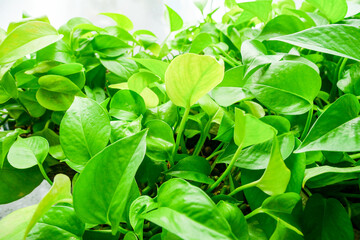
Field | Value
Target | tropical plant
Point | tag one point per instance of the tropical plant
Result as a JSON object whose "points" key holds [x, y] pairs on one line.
{"points": [[244, 128]]}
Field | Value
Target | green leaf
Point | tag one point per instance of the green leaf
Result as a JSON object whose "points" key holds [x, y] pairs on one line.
{"points": [[322, 176], [200, 4], [122, 66], [155, 66], [56, 92], [287, 87], [66, 69], [25, 39], [13, 226], [339, 40], [279, 26], [121, 128], [8, 88], [26, 19], [334, 10], [235, 218], [121, 20], [282, 232], [123, 158], [28, 99], [139, 206], [296, 164], [84, 130], [192, 168], [60, 222], [240, 127], [109, 46], [159, 140], [58, 51], [256, 131], [59, 192], [28, 152], [257, 156], [258, 8], [199, 73], [2, 35], [280, 207], [200, 42], [127, 105], [335, 129], [16, 183], [174, 19], [251, 49], [350, 83], [326, 219], [276, 176], [188, 212], [6, 141], [227, 96], [139, 81]]}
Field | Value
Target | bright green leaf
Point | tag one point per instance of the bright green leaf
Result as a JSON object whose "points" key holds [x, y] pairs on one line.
{"points": [[198, 73], [84, 130], [25, 39]]}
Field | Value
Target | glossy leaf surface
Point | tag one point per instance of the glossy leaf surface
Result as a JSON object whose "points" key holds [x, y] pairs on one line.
{"points": [[84, 130], [199, 73]]}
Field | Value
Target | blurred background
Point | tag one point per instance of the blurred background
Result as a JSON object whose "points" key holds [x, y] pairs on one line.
{"points": [[145, 14]]}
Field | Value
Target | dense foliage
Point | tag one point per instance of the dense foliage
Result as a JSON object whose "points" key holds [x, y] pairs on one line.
{"points": [[247, 128]]}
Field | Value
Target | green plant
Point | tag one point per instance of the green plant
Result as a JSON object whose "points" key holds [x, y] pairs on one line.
{"points": [[241, 129]]}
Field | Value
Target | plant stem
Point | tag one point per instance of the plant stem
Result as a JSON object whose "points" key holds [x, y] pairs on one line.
{"points": [[227, 170], [42, 170], [4, 120], [202, 139], [146, 190], [253, 213], [179, 134], [216, 151], [215, 154], [355, 156], [228, 61], [338, 71], [243, 187], [227, 56], [307, 125]]}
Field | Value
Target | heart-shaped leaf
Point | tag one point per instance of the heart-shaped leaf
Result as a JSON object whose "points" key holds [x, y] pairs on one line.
{"points": [[28, 152], [188, 212], [25, 39], [123, 158], [198, 73], [335, 129], [287, 87], [84, 130], [339, 40], [59, 192]]}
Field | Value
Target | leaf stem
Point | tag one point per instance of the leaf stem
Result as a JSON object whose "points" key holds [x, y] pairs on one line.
{"points": [[42, 170], [202, 139], [4, 120], [355, 156], [338, 71], [146, 190], [215, 154], [227, 170], [234, 61], [253, 213], [307, 124], [179, 134], [228, 61], [243, 187]]}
